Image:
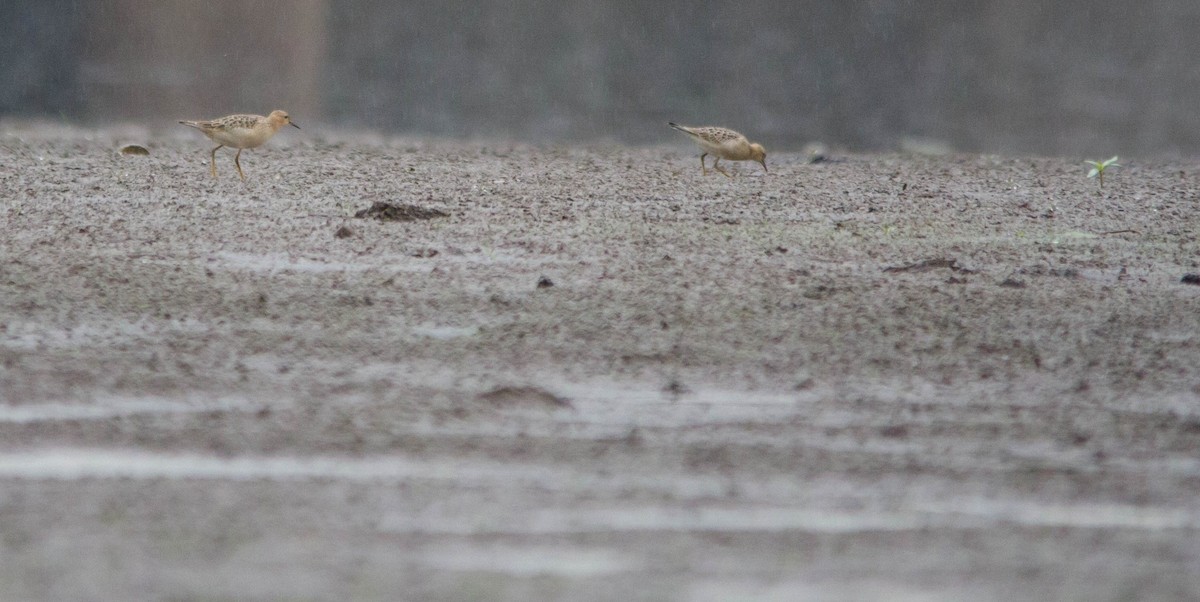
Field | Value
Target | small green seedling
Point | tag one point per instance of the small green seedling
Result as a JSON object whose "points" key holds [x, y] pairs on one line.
{"points": [[1098, 168]]}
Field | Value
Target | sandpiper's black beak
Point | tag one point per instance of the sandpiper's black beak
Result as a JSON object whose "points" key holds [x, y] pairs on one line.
{"points": [[294, 124], [764, 164]]}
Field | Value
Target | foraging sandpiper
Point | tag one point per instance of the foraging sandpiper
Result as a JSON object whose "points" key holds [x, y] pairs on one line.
{"points": [[241, 132], [723, 144]]}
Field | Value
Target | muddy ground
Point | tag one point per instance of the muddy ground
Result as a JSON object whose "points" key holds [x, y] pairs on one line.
{"points": [[600, 376]]}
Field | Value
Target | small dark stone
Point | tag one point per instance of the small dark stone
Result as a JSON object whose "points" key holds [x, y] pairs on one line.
{"points": [[1190, 279], [544, 282], [929, 264], [344, 232], [676, 388], [1012, 283]]}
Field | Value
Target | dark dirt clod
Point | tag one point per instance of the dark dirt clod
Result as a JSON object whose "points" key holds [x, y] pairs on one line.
{"points": [[544, 282], [344, 232], [391, 212], [1057, 272], [523, 395], [930, 264], [1190, 279]]}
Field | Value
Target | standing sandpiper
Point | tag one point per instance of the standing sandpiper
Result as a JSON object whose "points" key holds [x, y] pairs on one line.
{"points": [[241, 132], [723, 144]]}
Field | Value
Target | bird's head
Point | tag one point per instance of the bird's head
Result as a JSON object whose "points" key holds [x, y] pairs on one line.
{"points": [[758, 153], [281, 118]]}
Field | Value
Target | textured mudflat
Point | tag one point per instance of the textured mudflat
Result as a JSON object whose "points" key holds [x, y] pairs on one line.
{"points": [[600, 376]]}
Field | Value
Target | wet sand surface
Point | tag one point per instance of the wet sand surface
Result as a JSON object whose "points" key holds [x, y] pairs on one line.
{"points": [[599, 376]]}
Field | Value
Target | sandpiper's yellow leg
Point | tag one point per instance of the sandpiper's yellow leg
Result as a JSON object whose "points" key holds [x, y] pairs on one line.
{"points": [[213, 164], [237, 161], [716, 166]]}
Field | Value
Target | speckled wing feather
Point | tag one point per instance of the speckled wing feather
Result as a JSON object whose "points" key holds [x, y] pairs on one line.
{"points": [[716, 135], [231, 122], [712, 135]]}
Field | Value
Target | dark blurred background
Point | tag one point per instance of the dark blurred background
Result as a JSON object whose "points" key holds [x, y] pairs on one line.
{"points": [[1011, 76]]}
